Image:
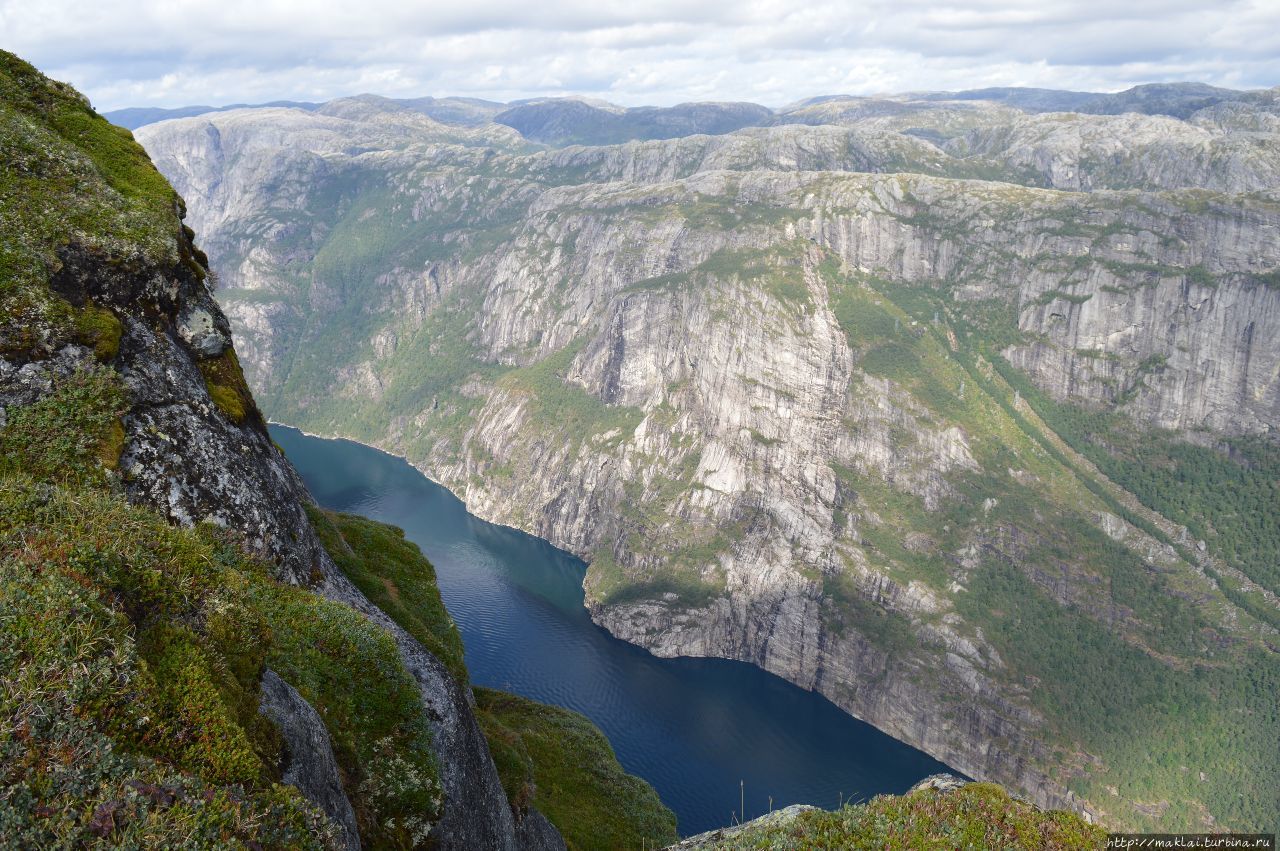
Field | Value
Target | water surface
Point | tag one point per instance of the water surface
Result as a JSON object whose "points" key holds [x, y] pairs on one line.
{"points": [[693, 728]]}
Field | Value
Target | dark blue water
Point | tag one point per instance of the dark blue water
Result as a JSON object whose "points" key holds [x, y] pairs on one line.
{"points": [[691, 727]]}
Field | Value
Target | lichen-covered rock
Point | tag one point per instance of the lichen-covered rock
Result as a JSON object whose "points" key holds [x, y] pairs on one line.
{"points": [[724, 837], [944, 813], [941, 782]]}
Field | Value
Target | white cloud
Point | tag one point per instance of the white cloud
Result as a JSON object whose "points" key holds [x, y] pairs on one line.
{"points": [[144, 52]]}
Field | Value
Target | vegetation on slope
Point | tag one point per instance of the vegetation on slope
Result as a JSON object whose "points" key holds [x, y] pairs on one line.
{"points": [[147, 644], [128, 710], [975, 817], [69, 176], [556, 760], [1152, 671], [1226, 493], [393, 573], [131, 652], [547, 757]]}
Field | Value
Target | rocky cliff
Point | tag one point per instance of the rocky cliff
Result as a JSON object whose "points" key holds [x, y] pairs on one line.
{"points": [[874, 404], [119, 382]]}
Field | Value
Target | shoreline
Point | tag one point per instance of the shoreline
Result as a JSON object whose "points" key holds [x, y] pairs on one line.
{"points": [[435, 481], [1070, 803], [595, 625]]}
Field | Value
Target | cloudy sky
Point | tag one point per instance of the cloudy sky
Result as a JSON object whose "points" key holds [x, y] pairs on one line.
{"points": [[179, 52]]}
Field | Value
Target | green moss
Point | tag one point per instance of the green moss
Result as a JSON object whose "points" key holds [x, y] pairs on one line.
{"points": [[69, 435], [67, 176], [131, 652], [228, 401], [100, 329], [111, 445], [194, 726], [225, 382], [978, 816], [395, 575], [560, 763]]}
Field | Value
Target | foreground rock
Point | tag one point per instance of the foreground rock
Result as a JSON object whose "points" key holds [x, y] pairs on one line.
{"points": [[939, 812], [117, 377]]}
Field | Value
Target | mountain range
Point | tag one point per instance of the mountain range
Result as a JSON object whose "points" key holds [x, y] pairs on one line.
{"points": [[959, 408]]}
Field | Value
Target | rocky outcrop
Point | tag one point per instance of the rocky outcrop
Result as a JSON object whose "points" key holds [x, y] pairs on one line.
{"points": [[195, 460], [766, 831], [309, 763], [476, 812], [716, 838], [535, 833]]}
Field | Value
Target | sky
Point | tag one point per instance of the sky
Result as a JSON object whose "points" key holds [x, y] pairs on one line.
{"points": [[631, 52]]}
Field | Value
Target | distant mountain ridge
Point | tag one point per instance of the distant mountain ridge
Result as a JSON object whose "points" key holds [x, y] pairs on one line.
{"points": [[134, 117], [562, 121]]}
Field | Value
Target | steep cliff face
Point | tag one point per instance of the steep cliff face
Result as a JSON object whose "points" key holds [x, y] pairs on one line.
{"points": [[785, 407], [118, 381]]}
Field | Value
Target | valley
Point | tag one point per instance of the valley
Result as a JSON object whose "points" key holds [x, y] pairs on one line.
{"points": [[959, 412]]}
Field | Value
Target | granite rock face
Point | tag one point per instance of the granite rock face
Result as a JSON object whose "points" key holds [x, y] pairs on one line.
{"points": [[309, 762], [749, 376]]}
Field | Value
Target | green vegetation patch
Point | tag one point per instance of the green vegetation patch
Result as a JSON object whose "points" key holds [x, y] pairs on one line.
{"points": [[567, 409], [1158, 724], [158, 656], [227, 388], [975, 817], [70, 435], [395, 575], [68, 176], [1226, 495], [100, 330], [888, 630], [557, 761], [124, 717]]}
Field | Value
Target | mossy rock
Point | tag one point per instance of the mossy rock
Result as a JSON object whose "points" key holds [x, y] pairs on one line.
{"points": [[559, 762], [975, 816], [227, 387], [101, 330]]}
